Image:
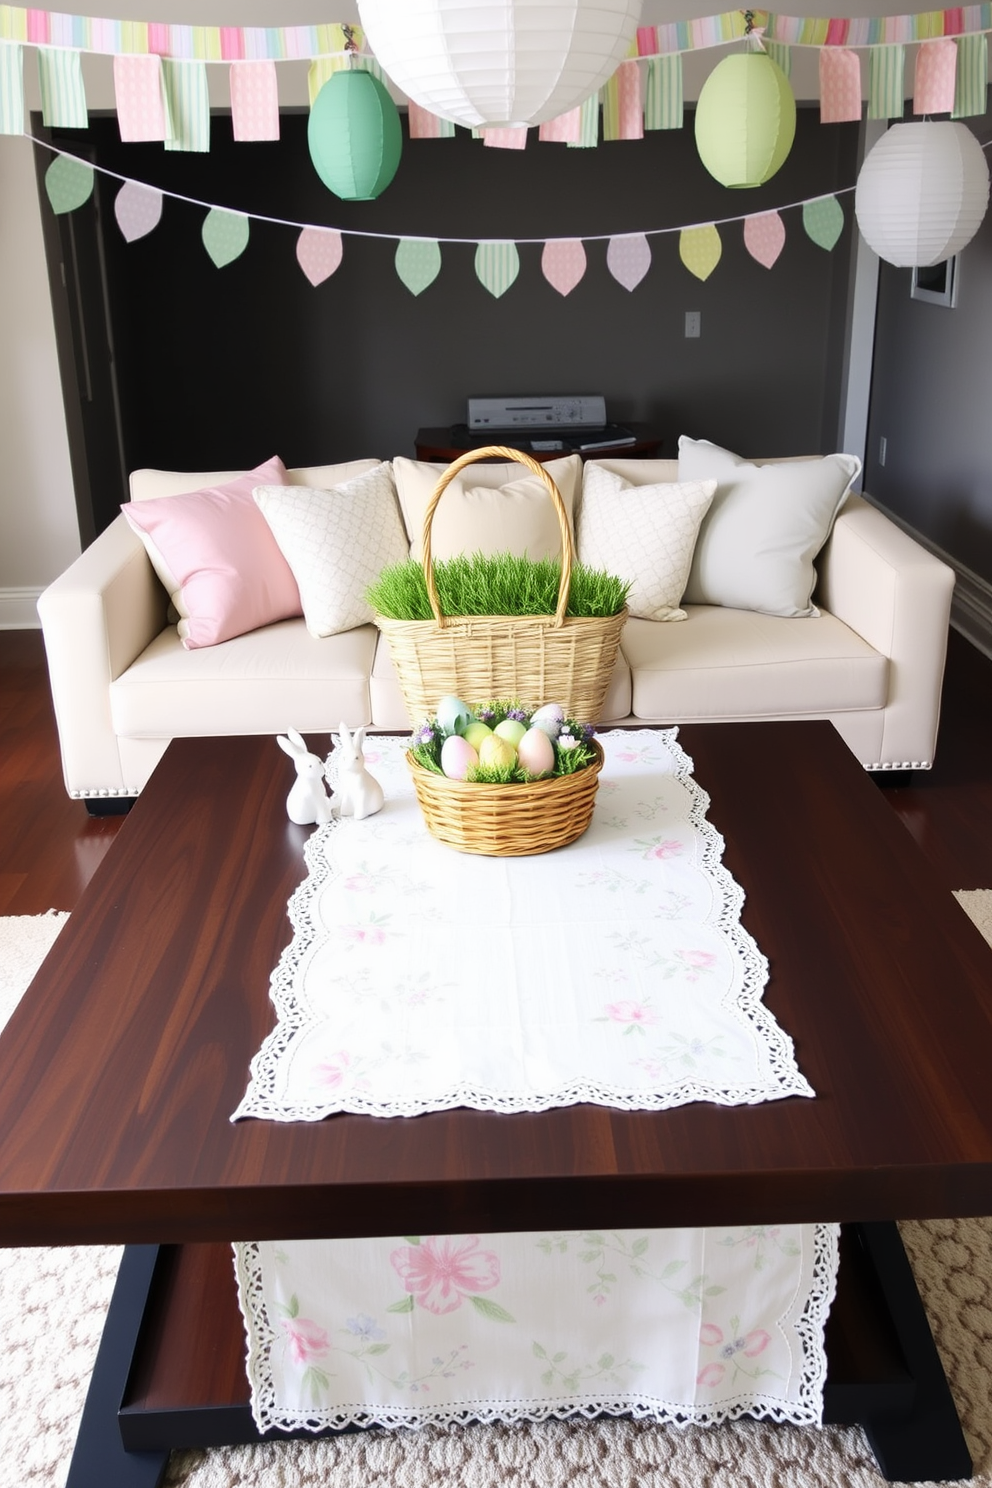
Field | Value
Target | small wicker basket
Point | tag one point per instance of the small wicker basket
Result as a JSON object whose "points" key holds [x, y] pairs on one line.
{"points": [[507, 821], [536, 658]]}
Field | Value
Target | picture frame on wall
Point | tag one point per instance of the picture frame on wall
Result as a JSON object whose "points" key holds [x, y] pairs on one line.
{"points": [[936, 283]]}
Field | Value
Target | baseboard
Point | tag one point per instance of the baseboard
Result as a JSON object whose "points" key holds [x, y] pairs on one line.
{"points": [[19, 609], [971, 603]]}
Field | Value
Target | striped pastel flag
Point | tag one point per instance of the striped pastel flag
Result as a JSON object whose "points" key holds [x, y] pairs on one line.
{"points": [[425, 125], [63, 97], [321, 68], [781, 55], [663, 100], [497, 266], [189, 106], [588, 125], [972, 78], [886, 75], [11, 88]]}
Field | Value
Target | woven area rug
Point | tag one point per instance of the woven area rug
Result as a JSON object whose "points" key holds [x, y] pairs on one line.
{"points": [[53, 1302]]}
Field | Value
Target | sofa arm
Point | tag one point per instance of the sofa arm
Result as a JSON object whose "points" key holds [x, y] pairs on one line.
{"points": [[897, 596], [96, 618]]}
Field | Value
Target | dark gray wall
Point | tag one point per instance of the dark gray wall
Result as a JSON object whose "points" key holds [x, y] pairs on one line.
{"points": [[226, 367], [931, 400]]}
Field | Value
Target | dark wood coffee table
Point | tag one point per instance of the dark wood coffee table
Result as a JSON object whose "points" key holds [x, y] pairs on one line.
{"points": [[120, 1068]]}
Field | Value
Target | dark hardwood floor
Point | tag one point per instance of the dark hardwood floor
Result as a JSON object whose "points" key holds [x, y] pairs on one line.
{"points": [[50, 847]]}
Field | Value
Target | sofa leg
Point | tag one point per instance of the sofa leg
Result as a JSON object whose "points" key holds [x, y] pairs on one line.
{"points": [[109, 805], [891, 778]]}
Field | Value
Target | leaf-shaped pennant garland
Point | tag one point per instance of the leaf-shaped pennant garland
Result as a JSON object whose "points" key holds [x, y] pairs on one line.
{"points": [[69, 183], [700, 249], [563, 263], [764, 237], [418, 263], [823, 220], [138, 210], [628, 259], [318, 252], [225, 235], [497, 266]]}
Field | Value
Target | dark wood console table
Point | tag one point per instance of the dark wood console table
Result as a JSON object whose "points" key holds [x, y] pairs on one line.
{"points": [[121, 1065], [436, 444]]}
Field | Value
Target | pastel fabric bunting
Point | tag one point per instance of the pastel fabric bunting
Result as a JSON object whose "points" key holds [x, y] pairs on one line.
{"points": [[764, 237], [418, 263], [623, 110], [188, 105], [628, 259], [138, 210], [68, 183], [563, 263], [254, 101], [700, 249], [565, 130], [823, 220], [886, 82], [63, 96], [141, 114], [664, 105], [497, 266], [505, 139], [840, 85], [225, 235], [425, 125], [971, 80], [780, 54], [936, 65], [11, 88], [319, 251], [588, 137]]}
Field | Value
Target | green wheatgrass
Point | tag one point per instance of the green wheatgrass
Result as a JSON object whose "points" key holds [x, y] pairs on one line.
{"points": [[498, 584]]}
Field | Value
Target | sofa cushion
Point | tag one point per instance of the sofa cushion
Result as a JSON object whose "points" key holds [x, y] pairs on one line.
{"points": [[215, 555], [643, 533], [147, 484], [767, 523], [336, 542], [253, 684], [728, 664], [487, 508]]}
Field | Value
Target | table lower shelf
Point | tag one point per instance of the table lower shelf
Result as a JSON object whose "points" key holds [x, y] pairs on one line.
{"points": [[171, 1373]]}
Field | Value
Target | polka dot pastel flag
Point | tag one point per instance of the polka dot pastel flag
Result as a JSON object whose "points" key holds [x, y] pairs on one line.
{"points": [[764, 237], [700, 249], [319, 251], [563, 263]]}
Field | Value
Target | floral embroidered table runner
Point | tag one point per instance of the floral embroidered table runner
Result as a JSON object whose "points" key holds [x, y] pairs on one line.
{"points": [[677, 1325], [614, 971]]}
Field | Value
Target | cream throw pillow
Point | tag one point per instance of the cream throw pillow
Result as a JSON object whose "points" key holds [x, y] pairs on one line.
{"points": [[644, 534], [336, 542], [767, 523], [487, 508]]}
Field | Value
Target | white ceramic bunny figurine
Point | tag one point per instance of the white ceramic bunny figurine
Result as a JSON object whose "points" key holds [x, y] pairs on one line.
{"points": [[308, 801], [359, 794]]}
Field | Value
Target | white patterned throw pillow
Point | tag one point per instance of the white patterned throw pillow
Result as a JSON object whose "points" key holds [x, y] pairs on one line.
{"points": [[643, 534], [336, 542]]}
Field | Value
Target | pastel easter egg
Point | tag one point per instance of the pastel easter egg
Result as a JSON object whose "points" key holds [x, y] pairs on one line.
{"points": [[536, 753], [457, 757], [497, 751], [476, 732], [512, 729], [549, 719], [453, 716]]}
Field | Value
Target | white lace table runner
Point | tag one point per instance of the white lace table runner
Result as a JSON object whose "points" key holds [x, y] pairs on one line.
{"points": [[614, 971], [677, 1325]]}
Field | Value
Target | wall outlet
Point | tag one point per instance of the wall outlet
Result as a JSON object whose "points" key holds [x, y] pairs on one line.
{"points": [[883, 446], [692, 320]]}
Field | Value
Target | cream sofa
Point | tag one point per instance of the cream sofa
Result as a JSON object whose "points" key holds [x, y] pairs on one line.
{"points": [[872, 662]]}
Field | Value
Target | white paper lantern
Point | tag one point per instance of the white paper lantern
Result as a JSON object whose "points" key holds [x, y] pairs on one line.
{"points": [[922, 192], [499, 63]]}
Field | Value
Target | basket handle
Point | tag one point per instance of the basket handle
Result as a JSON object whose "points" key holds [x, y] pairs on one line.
{"points": [[536, 468]]}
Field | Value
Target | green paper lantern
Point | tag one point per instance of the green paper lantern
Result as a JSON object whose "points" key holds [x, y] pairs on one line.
{"points": [[745, 120], [354, 135]]}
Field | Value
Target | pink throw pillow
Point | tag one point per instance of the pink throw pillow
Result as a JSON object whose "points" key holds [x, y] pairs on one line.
{"points": [[215, 553]]}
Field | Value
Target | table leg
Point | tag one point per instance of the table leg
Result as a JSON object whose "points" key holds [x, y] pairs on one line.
{"points": [[99, 1458]]}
